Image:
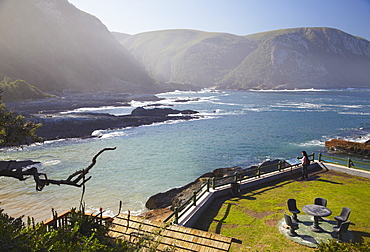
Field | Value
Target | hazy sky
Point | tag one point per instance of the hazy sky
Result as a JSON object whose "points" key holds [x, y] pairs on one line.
{"points": [[240, 17]]}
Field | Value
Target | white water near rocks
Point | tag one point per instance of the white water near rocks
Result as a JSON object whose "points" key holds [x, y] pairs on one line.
{"points": [[237, 128]]}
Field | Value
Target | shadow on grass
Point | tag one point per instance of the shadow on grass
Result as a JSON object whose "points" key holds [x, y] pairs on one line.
{"points": [[208, 217], [210, 214], [221, 221], [328, 181], [359, 236]]}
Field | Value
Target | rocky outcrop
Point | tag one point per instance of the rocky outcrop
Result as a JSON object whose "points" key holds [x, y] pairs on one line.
{"points": [[15, 164], [140, 111], [177, 196]]}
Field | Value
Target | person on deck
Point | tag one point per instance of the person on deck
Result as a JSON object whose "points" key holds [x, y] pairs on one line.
{"points": [[305, 163]]}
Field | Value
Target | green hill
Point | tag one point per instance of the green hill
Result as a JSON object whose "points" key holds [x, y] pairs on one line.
{"points": [[282, 59], [188, 56], [19, 90]]}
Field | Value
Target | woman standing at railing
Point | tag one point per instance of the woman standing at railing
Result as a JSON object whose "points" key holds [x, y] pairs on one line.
{"points": [[305, 163]]}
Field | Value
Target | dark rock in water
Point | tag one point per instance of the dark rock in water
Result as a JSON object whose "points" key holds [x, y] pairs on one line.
{"points": [[177, 196], [272, 165], [14, 164], [222, 172], [140, 111], [185, 194], [162, 200]]}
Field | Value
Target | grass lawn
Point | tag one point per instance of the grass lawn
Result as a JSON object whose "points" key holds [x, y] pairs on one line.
{"points": [[253, 217]]}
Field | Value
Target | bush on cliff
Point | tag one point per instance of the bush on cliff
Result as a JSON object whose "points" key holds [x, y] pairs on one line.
{"points": [[20, 90], [14, 129]]}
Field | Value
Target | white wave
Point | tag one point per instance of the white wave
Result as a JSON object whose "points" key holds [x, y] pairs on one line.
{"points": [[111, 133], [303, 105], [51, 162], [358, 139], [307, 90], [254, 109], [135, 104], [353, 113], [86, 109], [226, 103], [202, 91], [314, 142]]}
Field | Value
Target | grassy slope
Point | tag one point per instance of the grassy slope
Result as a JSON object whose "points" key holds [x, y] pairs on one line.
{"points": [[253, 217]]}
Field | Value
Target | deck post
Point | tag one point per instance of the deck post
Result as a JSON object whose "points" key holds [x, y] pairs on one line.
{"points": [[259, 171], [176, 215]]}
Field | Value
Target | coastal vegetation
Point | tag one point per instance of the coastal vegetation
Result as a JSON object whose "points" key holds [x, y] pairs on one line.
{"points": [[81, 233], [15, 130], [253, 217], [20, 90]]}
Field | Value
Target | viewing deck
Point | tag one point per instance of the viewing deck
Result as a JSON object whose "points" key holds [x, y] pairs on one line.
{"points": [[132, 228]]}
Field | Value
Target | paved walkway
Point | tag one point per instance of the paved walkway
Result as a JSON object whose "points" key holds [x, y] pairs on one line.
{"points": [[312, 239]]}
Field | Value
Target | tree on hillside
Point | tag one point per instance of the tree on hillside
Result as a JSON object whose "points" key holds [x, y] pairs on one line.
{"points": [[14, 129]]}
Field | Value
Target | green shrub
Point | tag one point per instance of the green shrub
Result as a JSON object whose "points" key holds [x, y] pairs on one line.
{"points": [[83, 233], [11, 235], [20, 90]]}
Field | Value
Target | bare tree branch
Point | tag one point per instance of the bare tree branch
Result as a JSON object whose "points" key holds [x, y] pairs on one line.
{"points": [[17, 171]]}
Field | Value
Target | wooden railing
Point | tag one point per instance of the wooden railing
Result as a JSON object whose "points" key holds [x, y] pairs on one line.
{"points": [[348, 162], [62, 220], [214, 183]]}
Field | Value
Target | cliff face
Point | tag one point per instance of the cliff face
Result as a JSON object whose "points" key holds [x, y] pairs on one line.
{"points": [[303, 58], [282, 59], [54, 46]]}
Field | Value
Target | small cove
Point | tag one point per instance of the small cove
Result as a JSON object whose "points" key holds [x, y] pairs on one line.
{"points": [[238, 128]]}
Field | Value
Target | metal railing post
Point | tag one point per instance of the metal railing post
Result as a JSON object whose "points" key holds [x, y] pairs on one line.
{"points": [[319, 157], [279, 165], [259, 171], [313, 156], [208, 184], [349, 163], [176, 215], [213, 183], [194, 198], [236, 177]]}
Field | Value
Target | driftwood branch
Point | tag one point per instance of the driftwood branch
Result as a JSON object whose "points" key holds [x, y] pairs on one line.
{"points": [[18, 171]]}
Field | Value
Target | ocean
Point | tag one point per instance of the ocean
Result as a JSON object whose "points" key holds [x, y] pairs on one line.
{"points": [[235, 128]]}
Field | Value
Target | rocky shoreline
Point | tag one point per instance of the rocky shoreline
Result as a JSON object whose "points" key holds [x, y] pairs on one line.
{"points": [[57, 125], [162, 204]]}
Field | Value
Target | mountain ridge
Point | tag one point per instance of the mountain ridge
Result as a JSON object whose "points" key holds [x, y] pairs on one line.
{"points": [[55, 47], [306, 57]]}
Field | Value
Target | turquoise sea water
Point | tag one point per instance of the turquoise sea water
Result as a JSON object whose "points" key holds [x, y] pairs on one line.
{"points": [[240, 128]]}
